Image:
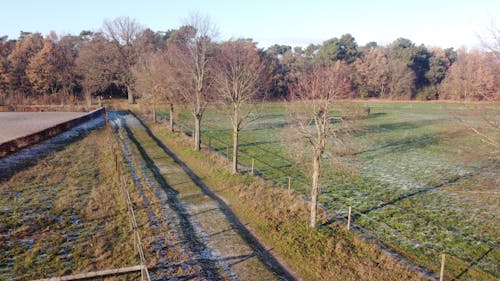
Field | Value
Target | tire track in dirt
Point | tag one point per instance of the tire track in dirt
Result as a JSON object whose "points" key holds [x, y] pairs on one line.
{"points": [[211, 235]]}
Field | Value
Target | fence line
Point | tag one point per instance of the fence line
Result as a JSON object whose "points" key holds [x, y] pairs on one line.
{"points": [[137, 242], [94, 274], [462, 263], [133, 221]]}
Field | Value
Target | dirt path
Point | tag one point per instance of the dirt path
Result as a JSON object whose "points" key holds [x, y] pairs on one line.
{"points": [[196, 226]]}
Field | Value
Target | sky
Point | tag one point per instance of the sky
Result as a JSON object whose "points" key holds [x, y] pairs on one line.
{"points": [[441, 23]]}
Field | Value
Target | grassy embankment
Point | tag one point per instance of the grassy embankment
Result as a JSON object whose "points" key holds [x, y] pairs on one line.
{"points": [[66, 214]]}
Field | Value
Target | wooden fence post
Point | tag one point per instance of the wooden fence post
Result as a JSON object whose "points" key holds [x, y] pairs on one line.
{"points": [[349, 219], [289, 184], [116, 160], [441, 274], [253, 162]]}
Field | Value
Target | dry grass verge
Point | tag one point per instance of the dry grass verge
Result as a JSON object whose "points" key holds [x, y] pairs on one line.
{"points": [[279, 220], [65, 214]]}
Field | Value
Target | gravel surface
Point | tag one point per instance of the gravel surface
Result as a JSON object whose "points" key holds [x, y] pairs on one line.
{"points": [[18, 124]]}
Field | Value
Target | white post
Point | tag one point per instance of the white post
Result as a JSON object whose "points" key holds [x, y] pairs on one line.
{"points": [[441, 274], [253, 162], [349, 219]]}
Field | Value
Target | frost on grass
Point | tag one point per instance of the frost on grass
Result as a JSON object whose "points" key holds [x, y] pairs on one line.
{"points": [[402, 192]]}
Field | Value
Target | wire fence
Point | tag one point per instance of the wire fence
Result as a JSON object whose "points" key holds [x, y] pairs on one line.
{"points": [[370, 226], [133, 222], [142, 267]]}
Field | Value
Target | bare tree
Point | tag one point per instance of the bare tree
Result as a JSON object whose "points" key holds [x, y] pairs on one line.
{"points": [[123, 32], [313, 118], [240, 77], [149, 74], [491, 42], [475, 76], [190, 60]]}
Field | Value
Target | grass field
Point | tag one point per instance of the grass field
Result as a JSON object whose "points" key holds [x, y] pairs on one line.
{"points": [[420, 184], [64, 214]]}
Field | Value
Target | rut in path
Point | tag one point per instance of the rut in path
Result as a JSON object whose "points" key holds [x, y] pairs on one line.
{"points": [[214, 244]]}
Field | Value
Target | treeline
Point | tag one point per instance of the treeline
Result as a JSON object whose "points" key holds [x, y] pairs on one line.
{"points": [[115, 60]]}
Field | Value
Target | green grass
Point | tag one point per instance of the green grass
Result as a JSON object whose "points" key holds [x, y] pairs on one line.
{"points": [[413, 188], [278, 219], [65, 214]]}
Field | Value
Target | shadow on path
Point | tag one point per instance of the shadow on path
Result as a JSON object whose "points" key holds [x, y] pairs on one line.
{"points": [[195, 245], [264, 255]]}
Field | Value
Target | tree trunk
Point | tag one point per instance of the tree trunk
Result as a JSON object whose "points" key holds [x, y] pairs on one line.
{"points": [[314, 189], [130, 96], [236, 130], [154, 111], [235, 151], [197, 121], [88, 97], [171, 117]]}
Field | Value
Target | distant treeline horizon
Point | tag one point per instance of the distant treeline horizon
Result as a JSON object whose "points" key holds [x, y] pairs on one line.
{"points": [[102, 63]]}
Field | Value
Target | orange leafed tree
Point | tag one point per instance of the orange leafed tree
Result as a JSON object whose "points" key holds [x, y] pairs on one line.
{"points": [[18, 61], [473, 77], [42, 68]]}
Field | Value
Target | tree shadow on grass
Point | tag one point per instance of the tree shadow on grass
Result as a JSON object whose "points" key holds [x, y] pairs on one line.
{"points": [[260, 251], [408, 143], [396, 126], [474, 262]]}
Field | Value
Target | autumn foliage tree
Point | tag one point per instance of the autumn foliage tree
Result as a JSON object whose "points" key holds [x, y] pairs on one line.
{"points": [[67, 74], [240, 78], [19, 60], [101, 62], [97, 64], [472, 77], [5, 49], [378, 76], [314, 121], [42, 69], [372, 74]]}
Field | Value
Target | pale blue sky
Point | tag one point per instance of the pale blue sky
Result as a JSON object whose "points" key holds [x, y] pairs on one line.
{"points": [[444, 23]]}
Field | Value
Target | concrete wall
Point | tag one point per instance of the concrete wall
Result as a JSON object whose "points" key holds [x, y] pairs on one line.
{"points": [[12, 146], [45, 108]]}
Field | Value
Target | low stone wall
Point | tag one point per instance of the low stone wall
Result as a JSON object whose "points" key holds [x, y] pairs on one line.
{"points": [[12, 146], [45, 108]]}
